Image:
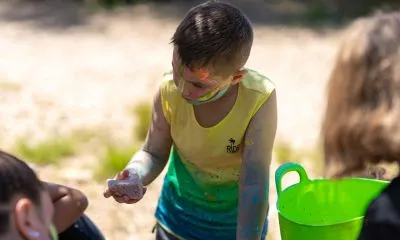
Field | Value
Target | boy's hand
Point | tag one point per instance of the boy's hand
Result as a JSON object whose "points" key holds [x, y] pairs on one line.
{"points": [[125, 189]]}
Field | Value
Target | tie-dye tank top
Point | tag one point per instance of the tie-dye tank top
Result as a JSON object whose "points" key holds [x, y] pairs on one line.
{"points": [[199, 197]]}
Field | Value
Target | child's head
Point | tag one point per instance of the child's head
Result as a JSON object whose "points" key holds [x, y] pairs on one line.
{"points": [[361, 124], [26, 209], [211, 46]]}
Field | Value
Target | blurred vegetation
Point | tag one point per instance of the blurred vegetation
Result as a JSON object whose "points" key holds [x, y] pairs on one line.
{"points": [[114, 160], [116, 3], [110, 4], [9, 86], [309, 13], [356, 8], [116, 157], [142, 114], [319, 12], [339, 11], [284, 153], [47, 151], [53, 149], [315, 11]]}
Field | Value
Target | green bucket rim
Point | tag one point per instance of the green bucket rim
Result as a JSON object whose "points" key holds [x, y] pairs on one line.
{"points": [[294, 167]]}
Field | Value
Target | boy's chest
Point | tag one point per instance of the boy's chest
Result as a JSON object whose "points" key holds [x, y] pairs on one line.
{"points": [[212, 136], [221, 149], [218, 146]]}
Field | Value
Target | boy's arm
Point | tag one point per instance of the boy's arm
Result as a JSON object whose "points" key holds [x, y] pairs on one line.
{"points": [[151, 160], [69, 204], [254, 177]]}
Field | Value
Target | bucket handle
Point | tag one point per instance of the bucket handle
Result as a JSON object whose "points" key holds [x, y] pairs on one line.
{"points": [[286, 168]]}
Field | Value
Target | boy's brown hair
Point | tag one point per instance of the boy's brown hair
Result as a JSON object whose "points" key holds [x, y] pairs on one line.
{"points": [[362, 119], [214, 34], [16, 179]]}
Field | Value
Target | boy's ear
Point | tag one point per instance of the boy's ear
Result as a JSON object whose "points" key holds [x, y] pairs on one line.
{"points": [[238, 76], [25, 217]]}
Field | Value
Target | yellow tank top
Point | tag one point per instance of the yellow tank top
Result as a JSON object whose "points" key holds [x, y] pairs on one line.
{"points": [[216, 150], [200, 191]]}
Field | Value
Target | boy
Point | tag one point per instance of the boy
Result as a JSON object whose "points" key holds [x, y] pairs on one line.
{"points": [[216, 122], [23, 196]]}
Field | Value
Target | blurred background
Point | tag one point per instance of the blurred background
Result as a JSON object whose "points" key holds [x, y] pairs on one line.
{"points": [[77, 78]]}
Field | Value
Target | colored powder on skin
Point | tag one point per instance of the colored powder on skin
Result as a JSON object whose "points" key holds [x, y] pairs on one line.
{"points": [[248, 142], [131, 188], [202, 74], [256, 199]]}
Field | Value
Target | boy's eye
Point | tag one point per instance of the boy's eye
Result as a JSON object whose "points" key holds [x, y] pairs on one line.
{"points": [[196, 85]]}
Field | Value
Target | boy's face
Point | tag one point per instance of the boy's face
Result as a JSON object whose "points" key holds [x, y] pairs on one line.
{"points": [[199, 84]]}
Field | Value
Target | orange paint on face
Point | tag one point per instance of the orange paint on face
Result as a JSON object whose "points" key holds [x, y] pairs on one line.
{"points": [[202, 74]]}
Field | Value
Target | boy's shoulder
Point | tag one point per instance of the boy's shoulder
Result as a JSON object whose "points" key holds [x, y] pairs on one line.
{"points": [[255, 81], [167, 83], [167, 77]]}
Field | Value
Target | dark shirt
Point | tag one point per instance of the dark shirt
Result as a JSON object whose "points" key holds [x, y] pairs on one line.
{"points": [[82, 229], [382, 219]]}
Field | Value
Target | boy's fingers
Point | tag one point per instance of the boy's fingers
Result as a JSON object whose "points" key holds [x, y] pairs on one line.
{"points": [[121, 199], [122, 175], [107, 193], [125, 200], [125, 174], [118, 199], [132, 201]]}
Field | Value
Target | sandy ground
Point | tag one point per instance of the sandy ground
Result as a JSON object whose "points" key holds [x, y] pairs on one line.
{"points": [[78, 70]]}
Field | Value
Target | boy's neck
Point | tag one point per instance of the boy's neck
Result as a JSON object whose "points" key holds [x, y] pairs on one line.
{"points": [[232, 92], [210, 114]]}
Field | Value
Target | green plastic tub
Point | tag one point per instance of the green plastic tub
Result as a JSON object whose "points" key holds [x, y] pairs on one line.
{"points": [[323, 209]]}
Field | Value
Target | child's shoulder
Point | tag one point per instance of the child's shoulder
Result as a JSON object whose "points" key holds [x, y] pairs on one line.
{"points": [[167, 77], [167, 84], [255, 81]]}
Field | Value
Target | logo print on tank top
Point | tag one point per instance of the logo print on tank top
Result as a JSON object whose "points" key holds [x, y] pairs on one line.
{"points": [[232, 148]]}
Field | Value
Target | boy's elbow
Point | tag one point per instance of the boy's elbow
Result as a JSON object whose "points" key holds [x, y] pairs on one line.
{"points": [[83, 203], [81, 200], [78, 200]]}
